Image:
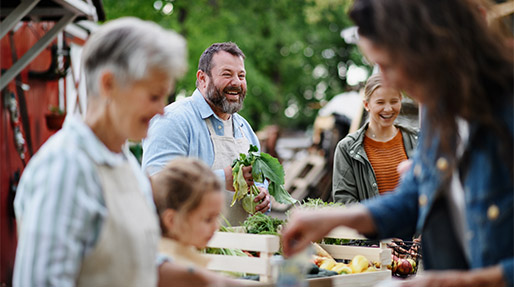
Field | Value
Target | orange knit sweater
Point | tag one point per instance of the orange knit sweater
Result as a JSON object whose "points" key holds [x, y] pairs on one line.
{"points": [[384, 158]]}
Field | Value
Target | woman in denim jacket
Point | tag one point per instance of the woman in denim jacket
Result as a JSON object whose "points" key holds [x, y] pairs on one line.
{"points": [[459, 191]]}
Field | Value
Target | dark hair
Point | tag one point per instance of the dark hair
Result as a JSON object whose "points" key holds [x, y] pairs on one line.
{"points": [[205, 62], [182, 184], [463, 68]]}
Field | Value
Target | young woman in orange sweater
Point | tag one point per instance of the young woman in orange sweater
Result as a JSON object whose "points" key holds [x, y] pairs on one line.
{"points": [[366, 161]]}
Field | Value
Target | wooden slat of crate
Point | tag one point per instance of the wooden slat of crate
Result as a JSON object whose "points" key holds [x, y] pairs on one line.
{"points": [[345, 232], [245, 241], [253, 265]]}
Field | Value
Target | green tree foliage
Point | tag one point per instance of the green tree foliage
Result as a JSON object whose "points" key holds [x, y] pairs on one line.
{"points": [[295, 57]]}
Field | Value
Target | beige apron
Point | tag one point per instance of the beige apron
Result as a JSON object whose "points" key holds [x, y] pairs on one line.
{"points": [[125, 254], [226, 150]]}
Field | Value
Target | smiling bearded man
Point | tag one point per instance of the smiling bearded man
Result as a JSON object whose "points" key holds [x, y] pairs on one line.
{"points": [[207, 125]]}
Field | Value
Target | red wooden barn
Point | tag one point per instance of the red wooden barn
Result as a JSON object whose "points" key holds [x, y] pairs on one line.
{"points": [[40, 45]]}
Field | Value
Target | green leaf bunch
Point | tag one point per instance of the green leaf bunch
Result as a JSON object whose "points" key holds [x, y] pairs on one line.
{"points": [[264, 167]]}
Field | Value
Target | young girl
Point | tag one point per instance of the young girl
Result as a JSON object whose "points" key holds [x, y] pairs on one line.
{"points": [[189, 200]]}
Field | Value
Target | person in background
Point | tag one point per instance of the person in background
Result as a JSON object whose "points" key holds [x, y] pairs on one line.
{"points": [[366, 161], [84, 209], [459, 191], [207, 125]]}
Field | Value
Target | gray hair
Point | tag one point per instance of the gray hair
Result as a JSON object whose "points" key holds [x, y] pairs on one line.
{"points": [[131, 48]]}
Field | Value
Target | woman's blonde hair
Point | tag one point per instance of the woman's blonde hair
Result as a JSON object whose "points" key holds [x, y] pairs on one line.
{"points": [[372, 84], [182, 184]]}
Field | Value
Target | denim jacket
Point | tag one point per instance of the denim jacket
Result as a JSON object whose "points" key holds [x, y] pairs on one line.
{"points": [[489, 204]]}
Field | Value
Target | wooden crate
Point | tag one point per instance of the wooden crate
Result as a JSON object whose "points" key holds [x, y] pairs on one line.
{"points": [[267, 245], [380, 254]]}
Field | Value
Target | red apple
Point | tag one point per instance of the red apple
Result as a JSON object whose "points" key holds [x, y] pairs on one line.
{"points": [[404, 267]]}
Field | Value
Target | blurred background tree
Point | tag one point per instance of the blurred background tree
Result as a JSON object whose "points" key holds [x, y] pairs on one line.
{"points": [[296, 57]]}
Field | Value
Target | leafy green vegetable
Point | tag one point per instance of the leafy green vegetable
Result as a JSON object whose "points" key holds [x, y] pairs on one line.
{"points": [[318, 203], [314, 203], [264, 167], [262, 224]]}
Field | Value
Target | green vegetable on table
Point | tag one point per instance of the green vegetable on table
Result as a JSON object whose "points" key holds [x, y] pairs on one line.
{"points": [[264, 167], [262, 224]]}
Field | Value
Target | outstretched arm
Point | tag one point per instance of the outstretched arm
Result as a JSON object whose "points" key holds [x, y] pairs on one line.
{"points": [[306, 226]]}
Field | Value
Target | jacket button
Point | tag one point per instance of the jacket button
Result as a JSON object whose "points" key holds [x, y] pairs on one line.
{"points": [[442, 164], [422, 200], [417, 170], [219, 127], [493, 212]]}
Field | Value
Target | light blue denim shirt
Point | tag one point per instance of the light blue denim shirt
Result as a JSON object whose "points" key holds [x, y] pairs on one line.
{"points": [[182, 131]]}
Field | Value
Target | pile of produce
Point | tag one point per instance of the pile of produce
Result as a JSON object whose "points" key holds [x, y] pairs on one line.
{"points": [[405, 257], [264, 167], [359, 263], [263, 224], [315, 203]]}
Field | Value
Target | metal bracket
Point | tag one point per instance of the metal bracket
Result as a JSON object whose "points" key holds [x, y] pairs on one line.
{"points": [[16, 15], [35, 50], [72, 9]]}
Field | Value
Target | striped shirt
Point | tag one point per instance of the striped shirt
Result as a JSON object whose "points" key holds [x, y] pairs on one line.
{"points": [[385, 158], [60, 206]]}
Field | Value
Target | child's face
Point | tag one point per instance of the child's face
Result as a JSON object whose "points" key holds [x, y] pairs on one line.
{"points": [[199, 225]]}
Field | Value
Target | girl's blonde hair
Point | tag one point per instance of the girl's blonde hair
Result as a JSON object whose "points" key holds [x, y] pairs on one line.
{"points": [[182, 184]]}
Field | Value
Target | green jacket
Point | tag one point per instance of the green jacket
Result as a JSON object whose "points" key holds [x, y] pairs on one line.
{"points": [[354, 179]]}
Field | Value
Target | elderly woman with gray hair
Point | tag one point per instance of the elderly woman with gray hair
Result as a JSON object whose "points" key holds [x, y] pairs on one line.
{"points": [[84, 208]]}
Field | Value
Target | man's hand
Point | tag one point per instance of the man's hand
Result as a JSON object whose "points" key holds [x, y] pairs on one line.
{"points": [[265, 205], [229, 179]]}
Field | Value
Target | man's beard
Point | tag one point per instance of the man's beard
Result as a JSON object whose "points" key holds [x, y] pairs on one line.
{"points": [[218, 99]]}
